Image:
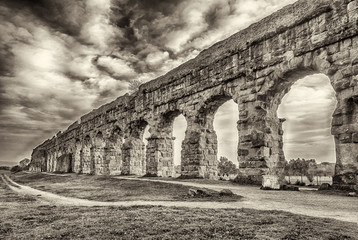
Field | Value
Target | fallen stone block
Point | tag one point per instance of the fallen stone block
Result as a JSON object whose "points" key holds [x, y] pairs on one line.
{"points": [[352, 194], [203, 192], [270, 182], [192, 192], [325, 186], [226, 192]]}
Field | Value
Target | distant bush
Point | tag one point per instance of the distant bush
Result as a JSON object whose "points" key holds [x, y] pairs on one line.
{"points": [[4, 168], [298, 183], [16, 169]]}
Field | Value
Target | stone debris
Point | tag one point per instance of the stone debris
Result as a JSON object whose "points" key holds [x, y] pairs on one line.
{"points": [[201, 192], [352, 194], [192, 192], [226, 192], [325, 186]]}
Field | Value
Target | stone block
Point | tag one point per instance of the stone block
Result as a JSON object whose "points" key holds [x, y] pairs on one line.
{"points": [[355, 138], [337, 121], [243, 152], [325, 186], [226, 192], [271, 182], [345, 138]]}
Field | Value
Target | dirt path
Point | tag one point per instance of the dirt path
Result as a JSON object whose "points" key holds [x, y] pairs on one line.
{"points": [[305, 202]]}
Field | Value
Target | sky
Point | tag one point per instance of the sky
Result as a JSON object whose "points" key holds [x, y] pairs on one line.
{"points": [[59, 59]]}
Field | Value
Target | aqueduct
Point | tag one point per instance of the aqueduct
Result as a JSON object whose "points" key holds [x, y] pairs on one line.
{"points": [[255, 67]]}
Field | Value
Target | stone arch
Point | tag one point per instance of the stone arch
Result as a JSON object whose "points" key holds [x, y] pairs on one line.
{"points": [[199, 152], [339, 64], [114, 151], [98, 141], [160, 152], [48, 160], [52, 160], [87, 163], [262, 151], [308, 119], [134, 149], [64, 158], [77, 166], [207, 111], [98, 156]]}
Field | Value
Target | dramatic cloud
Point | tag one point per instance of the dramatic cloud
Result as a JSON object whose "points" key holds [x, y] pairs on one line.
{"points": [[61, 58]]}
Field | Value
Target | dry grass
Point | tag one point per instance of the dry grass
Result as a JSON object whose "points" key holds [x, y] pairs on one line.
{"points": [[24, 218], [102, 188]]}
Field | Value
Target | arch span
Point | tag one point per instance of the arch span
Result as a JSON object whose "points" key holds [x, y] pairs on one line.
{"points": [[252, 66]]}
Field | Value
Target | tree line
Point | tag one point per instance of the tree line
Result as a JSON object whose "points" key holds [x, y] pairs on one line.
{"points": [[309, 168], [294, 167]]}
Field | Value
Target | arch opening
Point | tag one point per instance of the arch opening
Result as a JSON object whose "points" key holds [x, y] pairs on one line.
{"points": [[114, 151], [99, 164], [225, 126], [179, 128], [134, 149], [77, 166], [206, 144], [160, 150], [146, 135], [307, 143], [86, 155]]}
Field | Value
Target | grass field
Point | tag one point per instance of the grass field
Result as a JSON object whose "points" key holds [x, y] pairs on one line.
{"points": [[26, 218], [102, 188]]}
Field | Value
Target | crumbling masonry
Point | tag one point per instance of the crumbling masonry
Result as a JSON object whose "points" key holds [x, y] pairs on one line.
{"points": [[255, 67]]}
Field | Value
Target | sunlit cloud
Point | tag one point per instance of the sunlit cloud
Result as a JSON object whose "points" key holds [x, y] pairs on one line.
{"points": [[308, 108]]}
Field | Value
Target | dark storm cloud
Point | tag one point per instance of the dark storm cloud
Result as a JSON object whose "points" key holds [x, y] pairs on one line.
{"points": [[62, 15], [6, 60]]}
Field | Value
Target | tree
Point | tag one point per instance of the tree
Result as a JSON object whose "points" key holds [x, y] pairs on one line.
{"points": [[225, 166], [134, 85], [301, 167], [288, 171]]}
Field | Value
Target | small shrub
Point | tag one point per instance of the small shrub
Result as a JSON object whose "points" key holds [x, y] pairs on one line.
{"points": [[150, 175], [16, 169]]}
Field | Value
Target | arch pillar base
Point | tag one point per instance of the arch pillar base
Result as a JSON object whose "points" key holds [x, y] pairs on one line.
{"points": [[260, 151], [114, 159], [160, 157], [199, 152], [133, 157], [345, 131]]}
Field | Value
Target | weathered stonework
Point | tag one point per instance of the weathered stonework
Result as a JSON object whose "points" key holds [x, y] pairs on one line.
{"points": [[255, 68]]}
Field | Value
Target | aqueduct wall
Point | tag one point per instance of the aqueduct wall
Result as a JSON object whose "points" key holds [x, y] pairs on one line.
{"points": [[255, 67]]}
